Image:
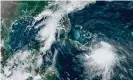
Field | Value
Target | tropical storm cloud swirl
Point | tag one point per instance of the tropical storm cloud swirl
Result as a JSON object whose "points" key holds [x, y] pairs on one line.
{"points": [[72, 40]]}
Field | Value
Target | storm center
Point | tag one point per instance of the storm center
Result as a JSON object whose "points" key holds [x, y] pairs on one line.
{"points": [[103, 55]]}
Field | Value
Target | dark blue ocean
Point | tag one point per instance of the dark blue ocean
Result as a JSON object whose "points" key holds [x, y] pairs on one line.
{"points": [[111, 22]]}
